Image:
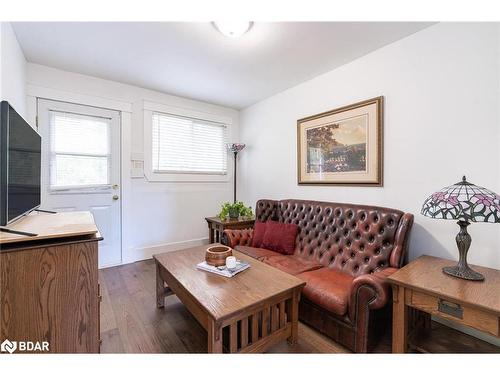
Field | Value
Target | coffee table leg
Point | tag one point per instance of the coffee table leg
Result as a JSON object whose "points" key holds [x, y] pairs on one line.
{"points": [[160, 289], [214, 337], [294, 318]]}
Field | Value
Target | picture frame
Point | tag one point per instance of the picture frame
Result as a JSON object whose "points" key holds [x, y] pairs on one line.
{"points": [[343, 146]]}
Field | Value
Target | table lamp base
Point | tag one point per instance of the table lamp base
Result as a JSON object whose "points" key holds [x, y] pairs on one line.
{"points": [[463, 273], [462, 269]]}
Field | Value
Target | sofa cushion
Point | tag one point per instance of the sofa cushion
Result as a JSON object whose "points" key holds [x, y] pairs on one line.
{"points": [[259, 229], [328, 288], [292, 264], [256, 252], [280, 237]]}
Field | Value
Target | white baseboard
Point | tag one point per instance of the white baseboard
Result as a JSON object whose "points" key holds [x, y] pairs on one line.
{"points": [[109, 265], [142, 253]]}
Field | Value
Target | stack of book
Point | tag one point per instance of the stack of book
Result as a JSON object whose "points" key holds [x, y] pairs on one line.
{"points": [[223, 270]]}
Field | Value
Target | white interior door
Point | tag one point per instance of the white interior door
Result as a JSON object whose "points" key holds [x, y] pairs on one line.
{"points": [[81, 167]]}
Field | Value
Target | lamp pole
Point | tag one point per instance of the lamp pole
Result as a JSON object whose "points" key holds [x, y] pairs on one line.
{"points": [[235, 148], [235, 155]]}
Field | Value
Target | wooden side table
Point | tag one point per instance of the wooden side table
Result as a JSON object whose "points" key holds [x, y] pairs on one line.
{"points": [[422, 285], [216, 226]]}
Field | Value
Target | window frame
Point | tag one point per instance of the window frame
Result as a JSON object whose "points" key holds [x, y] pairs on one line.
{"points": [[166, 176]]}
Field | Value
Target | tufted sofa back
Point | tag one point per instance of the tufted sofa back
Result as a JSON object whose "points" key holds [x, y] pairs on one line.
{"points": [[351, 238]]}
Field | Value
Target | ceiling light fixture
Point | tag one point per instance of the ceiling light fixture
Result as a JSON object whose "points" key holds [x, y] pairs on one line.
{"points": [[233, 29]]}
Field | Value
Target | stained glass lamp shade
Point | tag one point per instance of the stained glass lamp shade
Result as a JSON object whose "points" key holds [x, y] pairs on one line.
{"points": [[235, 147], [464, 202]]}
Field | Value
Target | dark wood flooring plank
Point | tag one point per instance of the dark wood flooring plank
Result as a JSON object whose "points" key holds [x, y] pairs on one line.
{"points": [[310, 341], [147, 272], [134, 337], [187, 328], [112, 278], [112, 342], [167, 335], [131, 275], [108, 321]]}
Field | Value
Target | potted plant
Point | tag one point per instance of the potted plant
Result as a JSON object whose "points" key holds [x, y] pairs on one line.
{"points": [[234, 211]]}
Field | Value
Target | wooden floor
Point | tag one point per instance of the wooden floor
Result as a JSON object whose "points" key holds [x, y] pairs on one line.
{"points": [[131, 323]]}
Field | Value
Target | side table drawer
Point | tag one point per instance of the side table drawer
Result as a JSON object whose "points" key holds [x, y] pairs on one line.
{"points": [[466, 315]]}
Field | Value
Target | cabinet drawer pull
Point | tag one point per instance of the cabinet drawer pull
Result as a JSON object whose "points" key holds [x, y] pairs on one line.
{"points": [[450, 308]]}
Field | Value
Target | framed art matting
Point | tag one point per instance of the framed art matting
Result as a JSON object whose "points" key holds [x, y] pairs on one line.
{"points": [[342, 146]]}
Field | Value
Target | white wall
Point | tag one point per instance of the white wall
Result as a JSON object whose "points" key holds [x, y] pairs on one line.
{"points": [[159, 216], [441, 89], [498, 107], [12, 70]]}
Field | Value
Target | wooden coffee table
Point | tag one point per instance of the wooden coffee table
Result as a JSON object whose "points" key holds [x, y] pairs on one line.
{"points": [[244, 314]]}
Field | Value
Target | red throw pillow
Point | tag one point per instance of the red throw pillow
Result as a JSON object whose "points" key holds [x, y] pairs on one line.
{"points": [[259, 229], [280, 237]]}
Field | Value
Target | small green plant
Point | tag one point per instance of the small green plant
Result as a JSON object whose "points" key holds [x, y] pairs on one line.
{"points": [[233, 209]]}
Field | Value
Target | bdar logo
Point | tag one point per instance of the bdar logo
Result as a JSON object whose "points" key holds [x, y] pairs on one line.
{"points": [[8, 346]]}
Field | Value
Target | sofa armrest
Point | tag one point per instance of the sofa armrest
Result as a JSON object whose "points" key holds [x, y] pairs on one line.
{"points": [[370, 289], [401, 241], [235, 237]]}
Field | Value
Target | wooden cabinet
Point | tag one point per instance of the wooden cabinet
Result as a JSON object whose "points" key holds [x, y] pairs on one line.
{"points": [[49, 290]]}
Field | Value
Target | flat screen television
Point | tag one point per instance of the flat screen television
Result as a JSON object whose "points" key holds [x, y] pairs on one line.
{"points": [[20, 163]]}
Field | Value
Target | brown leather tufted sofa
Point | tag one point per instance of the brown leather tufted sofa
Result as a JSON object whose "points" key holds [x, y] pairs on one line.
{"points": [[344, 252]]}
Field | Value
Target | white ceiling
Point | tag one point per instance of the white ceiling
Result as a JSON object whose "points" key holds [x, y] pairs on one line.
{"points": [[196, 61]]}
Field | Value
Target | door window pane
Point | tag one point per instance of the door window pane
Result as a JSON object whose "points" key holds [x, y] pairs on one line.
{"points": [[80, 150], [81, 134], [73, 170]]}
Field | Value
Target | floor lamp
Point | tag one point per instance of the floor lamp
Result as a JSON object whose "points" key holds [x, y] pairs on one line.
{"points": [[235, 148]]}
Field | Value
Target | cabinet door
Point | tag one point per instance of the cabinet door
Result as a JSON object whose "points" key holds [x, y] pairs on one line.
{"points": [[51, 294]]}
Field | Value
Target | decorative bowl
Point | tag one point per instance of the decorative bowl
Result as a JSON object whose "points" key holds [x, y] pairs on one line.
{"points": [[216, 255]]}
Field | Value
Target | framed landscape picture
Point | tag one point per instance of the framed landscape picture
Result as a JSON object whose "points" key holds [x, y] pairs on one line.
{"points": [[342, 146]]}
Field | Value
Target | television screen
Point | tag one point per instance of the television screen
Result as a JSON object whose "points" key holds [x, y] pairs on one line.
{"points": [[20, 165]]}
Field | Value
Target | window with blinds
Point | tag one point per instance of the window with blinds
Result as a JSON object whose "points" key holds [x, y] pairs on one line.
{"points": [[188, 145], [80, 150]]}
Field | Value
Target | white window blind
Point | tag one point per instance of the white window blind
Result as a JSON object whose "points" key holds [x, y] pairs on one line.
{"points": [[188, 145], [80, 150]]}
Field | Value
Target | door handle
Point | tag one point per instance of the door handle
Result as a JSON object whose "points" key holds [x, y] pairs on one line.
{"points": [[115, 197]]}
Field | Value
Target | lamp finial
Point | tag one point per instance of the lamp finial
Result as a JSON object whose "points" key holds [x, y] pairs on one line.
{"points": [[463, 179]]}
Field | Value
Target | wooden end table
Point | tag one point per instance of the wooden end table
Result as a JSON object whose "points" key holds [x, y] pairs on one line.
{"points": [[422, 286], [216, 226], [247, 313]]}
